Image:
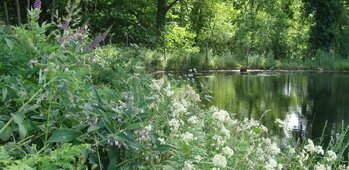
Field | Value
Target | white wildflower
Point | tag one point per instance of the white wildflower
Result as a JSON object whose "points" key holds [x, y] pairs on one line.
{"points": [[303, 156], [263, 128], [187, 137], [198, 158], [219, 140], [310, 147], [342, 167], [320, 166], [228, 151], [188, 165], [280, 123], [225, 132], [162, 141], [274, 149], [219, 161], [174, 123], [233, 122], [221, 115], [191, 94], [331, 156], [271, 164], [157, 84], [178, 108], [319, 150], [148, 128], [193, 120]]}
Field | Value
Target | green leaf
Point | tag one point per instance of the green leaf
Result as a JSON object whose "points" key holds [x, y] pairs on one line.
{"points": [[9, 43], [64, 135], [22, 130], [31, 108], [18, 117], [164, 148], [95, 92], [6, 134], [257, 130], [92, 128], [4, 93], [133, 126], [130, 142], [108, 124]]}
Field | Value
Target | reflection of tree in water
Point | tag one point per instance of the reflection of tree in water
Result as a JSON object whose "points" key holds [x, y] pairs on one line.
{"points": [[329, 95], [304, 100]]}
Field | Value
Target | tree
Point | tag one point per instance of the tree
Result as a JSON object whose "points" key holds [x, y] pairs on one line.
{"points": [[18, 12], [28, 8], [327, 14], [162, 8], [6, 12]]}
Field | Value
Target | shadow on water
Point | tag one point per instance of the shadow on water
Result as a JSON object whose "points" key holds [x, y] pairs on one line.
{"points": [[305, 101]]}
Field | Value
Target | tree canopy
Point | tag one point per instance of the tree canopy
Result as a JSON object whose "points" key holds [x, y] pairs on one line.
{"points": [[278, 28]]}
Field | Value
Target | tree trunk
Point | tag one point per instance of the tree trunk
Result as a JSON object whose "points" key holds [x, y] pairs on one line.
{"points": [[53, 6], [162, 10], [161, 15], [28, 8], [18, 13], [6, 13]]}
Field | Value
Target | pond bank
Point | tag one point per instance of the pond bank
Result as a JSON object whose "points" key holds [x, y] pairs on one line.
{"points": [[254, 71]]}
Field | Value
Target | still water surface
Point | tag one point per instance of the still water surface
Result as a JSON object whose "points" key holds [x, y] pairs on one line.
{"points": [[305, 101]]}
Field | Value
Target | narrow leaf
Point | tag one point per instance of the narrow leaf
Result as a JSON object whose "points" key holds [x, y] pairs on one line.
{"points": [[4, 93], [133, 126], [164, 148]]}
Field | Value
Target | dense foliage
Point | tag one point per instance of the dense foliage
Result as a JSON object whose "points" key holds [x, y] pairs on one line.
{"points": [[279, 29]]}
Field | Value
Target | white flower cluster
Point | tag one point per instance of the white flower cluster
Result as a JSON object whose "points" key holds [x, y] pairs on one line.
{"points": [[191, 94], [280, 123], [219, 161], [179, 108], [157, 84], [331, 156], [272, 165], [221, 115], [228, 151], [162, 141], [187, 137], [174, 124], [193, 120], [188, 165], [310, 147], [320, 166]]}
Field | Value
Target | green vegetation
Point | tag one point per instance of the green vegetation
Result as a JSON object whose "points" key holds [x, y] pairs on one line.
{"points": [[213, 34], [67, 103]]}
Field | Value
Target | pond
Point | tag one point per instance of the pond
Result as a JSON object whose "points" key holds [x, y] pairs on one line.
{"points": [[305, 101]]}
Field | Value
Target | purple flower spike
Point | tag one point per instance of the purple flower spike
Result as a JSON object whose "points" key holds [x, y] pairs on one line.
{"points": [[65, 25], [102, 38], [96, 42], [37, 4]]}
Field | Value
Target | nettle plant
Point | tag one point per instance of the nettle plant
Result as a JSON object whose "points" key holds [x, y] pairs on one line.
{"points": [[49, 97]]}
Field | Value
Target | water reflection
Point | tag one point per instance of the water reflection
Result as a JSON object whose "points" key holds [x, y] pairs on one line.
{"points": [[305, 101]]}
